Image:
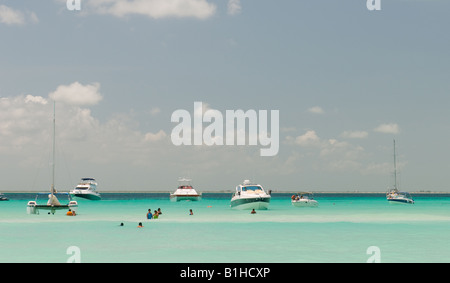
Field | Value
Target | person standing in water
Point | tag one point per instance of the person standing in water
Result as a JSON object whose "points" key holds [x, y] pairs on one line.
{"points": [[149, 214]]}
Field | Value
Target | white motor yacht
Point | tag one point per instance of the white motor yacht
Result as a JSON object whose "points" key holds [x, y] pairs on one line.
{"points": [[250, 196], [304, 199], [185, 191], [87, 189]]}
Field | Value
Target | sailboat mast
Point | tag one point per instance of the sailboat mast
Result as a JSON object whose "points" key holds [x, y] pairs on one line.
{"points": [[395, 168], [54, 142]]}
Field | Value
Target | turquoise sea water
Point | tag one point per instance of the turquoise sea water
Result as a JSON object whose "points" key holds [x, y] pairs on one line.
{"points": [[341, 229]]}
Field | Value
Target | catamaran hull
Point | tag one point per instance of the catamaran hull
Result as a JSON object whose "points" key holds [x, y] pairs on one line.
{"points": [[260, 203], [33, 207]]}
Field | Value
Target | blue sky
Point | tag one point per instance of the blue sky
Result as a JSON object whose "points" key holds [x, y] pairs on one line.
{"points": [[346, 81]]}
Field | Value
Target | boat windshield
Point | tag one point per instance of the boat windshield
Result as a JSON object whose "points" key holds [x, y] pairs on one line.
{"points": [[251, 188]]}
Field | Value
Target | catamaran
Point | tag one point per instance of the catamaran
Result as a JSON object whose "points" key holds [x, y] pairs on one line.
{"points": [[53, 202], [395, 195]]}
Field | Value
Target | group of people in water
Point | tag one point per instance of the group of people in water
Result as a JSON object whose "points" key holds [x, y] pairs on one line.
{"points": [[155, 214]]}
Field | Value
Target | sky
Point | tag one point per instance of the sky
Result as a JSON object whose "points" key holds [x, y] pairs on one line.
{"points": [[346, 81]]}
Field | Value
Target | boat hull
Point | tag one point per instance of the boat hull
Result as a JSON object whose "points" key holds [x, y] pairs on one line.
{"points": [[259, 203], [175, 198], [33, 207], [88, 196], [400, 201], [305, 203]]}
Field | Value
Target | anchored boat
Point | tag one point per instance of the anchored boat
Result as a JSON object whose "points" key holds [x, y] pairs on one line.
{"points": [[53, 202], [304, 199], [87, 189], [250, 196], [394, 195], [185, 191]]}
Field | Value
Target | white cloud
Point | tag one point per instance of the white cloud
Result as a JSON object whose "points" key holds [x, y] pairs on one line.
{"points": [[35, 99], [330, 154], [155, 111], [156, 9], [316, 110], [33, 18], [26, 126], [308, 139], [151, 137], [355, 134], [388, 129], [234, 7], [77, 94], [10, 16]]}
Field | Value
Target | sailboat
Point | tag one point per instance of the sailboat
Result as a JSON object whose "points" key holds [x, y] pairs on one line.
{"points": [[53, 202], [394, 195]]}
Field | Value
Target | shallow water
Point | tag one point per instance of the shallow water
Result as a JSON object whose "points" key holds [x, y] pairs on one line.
{"points": [[341, 229]]}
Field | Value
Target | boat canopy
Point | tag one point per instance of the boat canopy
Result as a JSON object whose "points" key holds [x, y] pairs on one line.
{"points": [[251, 188], [185, 187]]}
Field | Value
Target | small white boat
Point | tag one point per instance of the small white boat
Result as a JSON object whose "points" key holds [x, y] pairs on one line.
{"points": [[185, 191], [250, 196], [395, 196], [304, 199], [3, 198], [87, 189]]}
